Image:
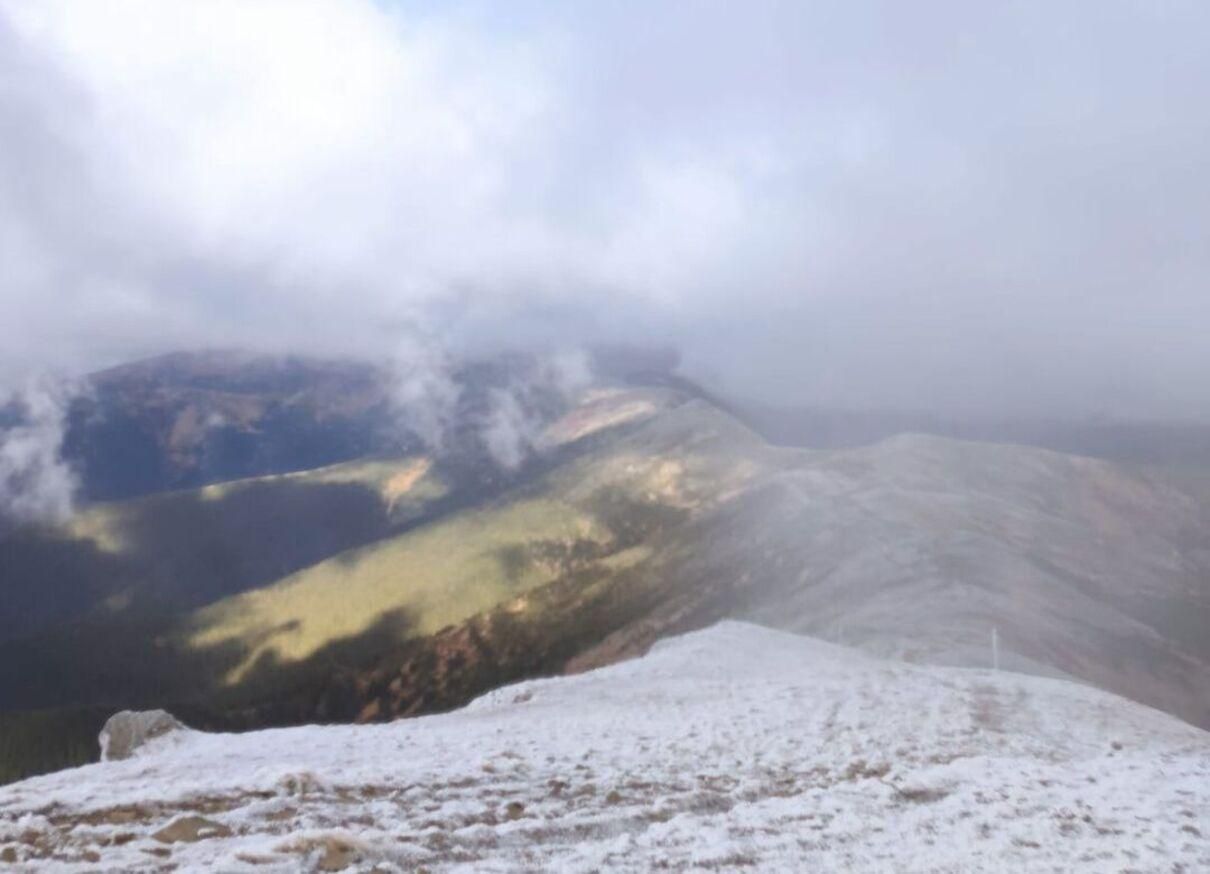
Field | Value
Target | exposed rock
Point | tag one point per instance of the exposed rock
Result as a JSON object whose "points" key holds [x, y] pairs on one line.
{"points": [[337, 855], [128, 730], [327, 852], [190, 829], [299, 784]]}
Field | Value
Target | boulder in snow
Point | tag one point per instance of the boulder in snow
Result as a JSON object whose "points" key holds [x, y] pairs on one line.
{"points": [[128, 730]]}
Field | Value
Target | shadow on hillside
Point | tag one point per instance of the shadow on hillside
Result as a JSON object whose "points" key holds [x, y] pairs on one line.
{"points": [[57, 689], [195, 550], [320, 688], [182, 551], [123, 661], [47, 578], [128, 660], [37, 742], [40, 731], [385, 671]]}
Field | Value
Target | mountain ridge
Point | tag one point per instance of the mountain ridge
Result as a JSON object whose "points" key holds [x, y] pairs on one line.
{"points": [[644, 511], [731, 746]]}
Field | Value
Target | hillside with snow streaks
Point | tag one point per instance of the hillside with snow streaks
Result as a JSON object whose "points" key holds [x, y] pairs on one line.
{"points": [[732, 746]]}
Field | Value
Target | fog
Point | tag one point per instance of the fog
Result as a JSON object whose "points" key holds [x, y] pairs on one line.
{"points": [[969, 208], [36, 484]]}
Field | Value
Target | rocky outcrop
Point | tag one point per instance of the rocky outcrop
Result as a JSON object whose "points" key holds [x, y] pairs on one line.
{"points": [[128, 730]]}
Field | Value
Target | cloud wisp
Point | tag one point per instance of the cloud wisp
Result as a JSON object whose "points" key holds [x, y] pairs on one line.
{"points": [[503, 413], [36, 485]]}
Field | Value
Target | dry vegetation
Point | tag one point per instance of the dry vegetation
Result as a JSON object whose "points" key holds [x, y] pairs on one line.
{"points": [[440, 575]]}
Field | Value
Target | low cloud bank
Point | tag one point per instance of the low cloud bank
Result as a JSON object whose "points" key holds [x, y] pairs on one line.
{"points": [[967, 208]]}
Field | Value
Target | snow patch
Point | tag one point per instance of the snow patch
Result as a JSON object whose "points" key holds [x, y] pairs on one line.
{"points": [[736, 746]]}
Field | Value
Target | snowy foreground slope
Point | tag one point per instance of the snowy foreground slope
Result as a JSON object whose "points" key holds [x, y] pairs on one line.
{"points": [[734, 746]]}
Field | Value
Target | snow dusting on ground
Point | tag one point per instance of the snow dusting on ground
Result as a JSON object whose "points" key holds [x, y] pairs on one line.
{"points": [[727, 748]]}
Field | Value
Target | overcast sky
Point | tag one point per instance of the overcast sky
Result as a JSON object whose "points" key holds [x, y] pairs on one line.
{"points": [[990, 207]]}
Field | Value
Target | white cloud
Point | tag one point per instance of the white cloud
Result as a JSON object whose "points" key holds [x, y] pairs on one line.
{"points": [[361, 165], [423, 391], [426, 396], [792, 192], [35, 483], [511, 430], [318, 135]]}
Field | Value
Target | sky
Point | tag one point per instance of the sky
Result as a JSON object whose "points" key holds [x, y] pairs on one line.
{"points": [[975, 208]]}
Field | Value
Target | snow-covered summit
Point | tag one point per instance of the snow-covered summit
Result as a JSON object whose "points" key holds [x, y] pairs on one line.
{"points": [[733, 746]]}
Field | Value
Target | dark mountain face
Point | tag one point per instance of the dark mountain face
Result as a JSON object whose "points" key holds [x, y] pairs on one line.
{"points": [[190, 419], [186, 420], [145, 437]]}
